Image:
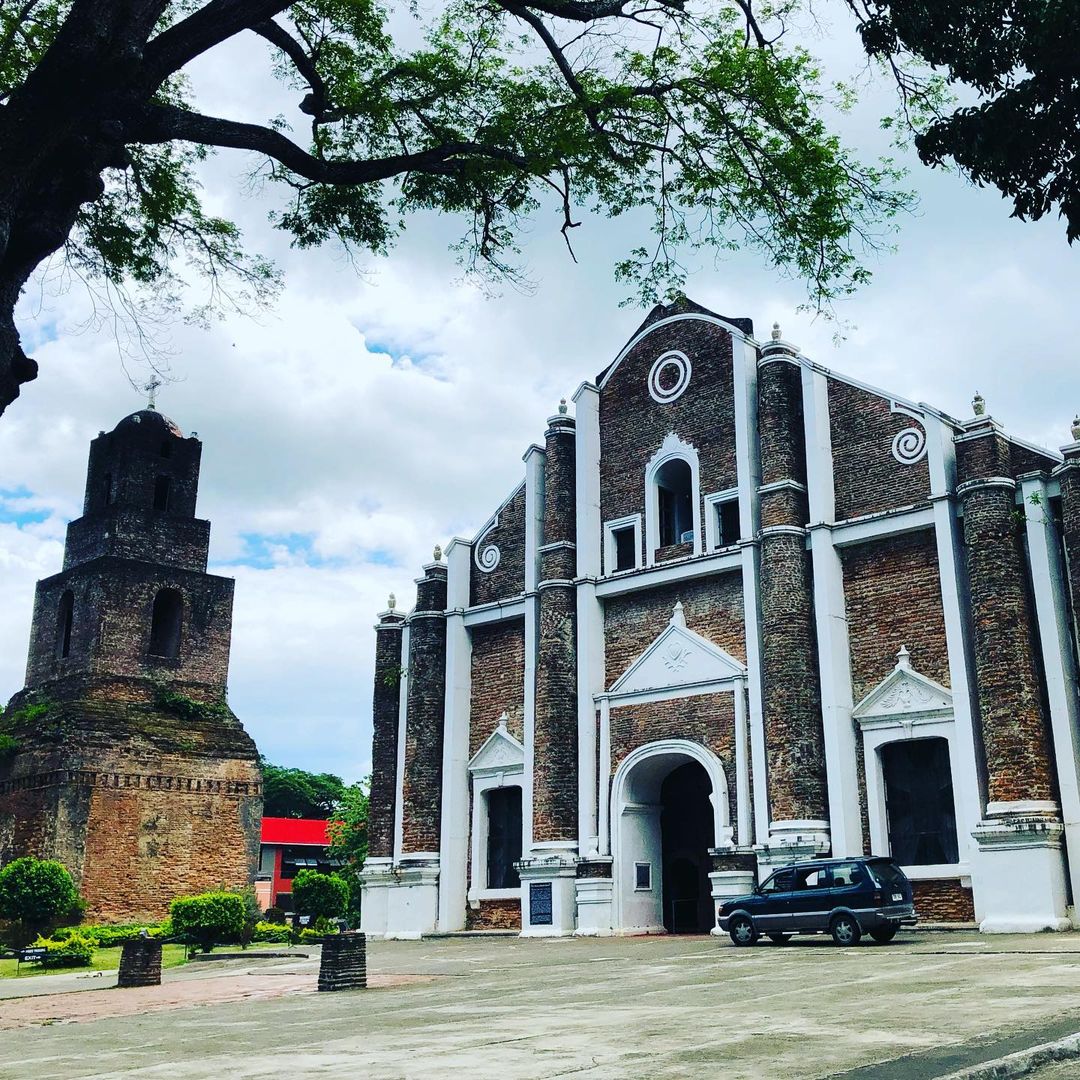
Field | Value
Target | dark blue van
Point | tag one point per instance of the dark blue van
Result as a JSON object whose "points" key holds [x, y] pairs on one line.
{"points": [[842, 897]]}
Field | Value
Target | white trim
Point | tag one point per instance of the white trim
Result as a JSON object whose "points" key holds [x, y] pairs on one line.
{"points": [[686, 370], [604, 785], [496, 611], [877, 526], [718, 498], [719, 562], [484, 778], [671, 449], [610, 528]]}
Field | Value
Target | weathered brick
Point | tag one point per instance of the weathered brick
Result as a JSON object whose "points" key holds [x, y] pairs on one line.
{"points": [[498, 681], [384, 746], [507, 579]]}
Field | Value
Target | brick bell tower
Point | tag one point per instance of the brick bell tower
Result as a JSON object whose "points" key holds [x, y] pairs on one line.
{"points": [[128, 765]]}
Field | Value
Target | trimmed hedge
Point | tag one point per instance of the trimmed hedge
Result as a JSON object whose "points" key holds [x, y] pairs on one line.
{"points": [[209, 918], [75, 951], [110, 936], [273, 933]]}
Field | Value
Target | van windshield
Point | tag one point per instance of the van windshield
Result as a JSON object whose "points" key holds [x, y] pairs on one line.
{"points": [[886, 871]]}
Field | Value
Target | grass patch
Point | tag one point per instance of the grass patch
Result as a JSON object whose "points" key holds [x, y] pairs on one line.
{"points": [[104, 960]]}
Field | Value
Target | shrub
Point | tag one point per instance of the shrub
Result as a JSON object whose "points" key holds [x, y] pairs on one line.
{"points": [[322, 895], [207, 919], [109, 936], [77, 950], [310, 936], [38, 893], [274, 933], [275, 915]]}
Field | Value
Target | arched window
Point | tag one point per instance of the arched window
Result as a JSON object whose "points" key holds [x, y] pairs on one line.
{"points": [[162, 491], [65, 617], [675, 502], [919, 802], [165, 624], [504, 837]]}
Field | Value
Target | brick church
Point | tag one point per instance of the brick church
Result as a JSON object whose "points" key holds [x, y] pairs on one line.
{"points": [[741, 611], [128, 765]]}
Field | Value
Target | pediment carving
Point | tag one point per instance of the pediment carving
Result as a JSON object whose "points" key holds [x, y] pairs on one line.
{"points": [[678, 657], [904, 693], [500, 752]]}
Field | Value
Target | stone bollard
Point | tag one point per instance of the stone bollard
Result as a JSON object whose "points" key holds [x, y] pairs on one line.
{"points": [[344, 962], [140, 963]]}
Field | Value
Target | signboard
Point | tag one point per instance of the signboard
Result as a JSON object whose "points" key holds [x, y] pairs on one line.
{"points": [[32, 956], [540, 903]]}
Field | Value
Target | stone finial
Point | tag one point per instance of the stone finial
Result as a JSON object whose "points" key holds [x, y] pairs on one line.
{"points": [[903, 658], [503, 720], [776, 331], [978, 404], [1076, 428], [437, 554], [562, 406], [677, 616], [391, 602]]}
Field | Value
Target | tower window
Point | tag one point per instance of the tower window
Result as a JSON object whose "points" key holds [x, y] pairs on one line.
{"points": [[674, 482], [165, 623], [625, 545], [65, 618], [162, 492], [727, 523], [504, 837], [106, 489], [919, 802]]}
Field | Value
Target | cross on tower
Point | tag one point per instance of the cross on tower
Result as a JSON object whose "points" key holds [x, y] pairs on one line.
{"points": [[151, 389]]}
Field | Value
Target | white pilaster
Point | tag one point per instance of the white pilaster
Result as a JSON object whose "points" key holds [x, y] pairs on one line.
{"points": [[590, 614], [534, 537], [1048, 578], [748, 464], [830, 616], [967, 796], [742, 771], [604, 786], [454, 818]]}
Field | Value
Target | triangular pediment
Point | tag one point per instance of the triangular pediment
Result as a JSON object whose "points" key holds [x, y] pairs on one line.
{"points": [[677, 658], [904, 692], [501, 751]]}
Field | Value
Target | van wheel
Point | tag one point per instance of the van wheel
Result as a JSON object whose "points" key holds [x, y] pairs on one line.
{"points": [[845, 929], [884, 934], [779, 939], [742, 931]]}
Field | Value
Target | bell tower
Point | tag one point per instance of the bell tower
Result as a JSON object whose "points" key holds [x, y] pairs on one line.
{"points": [[128, 764]]}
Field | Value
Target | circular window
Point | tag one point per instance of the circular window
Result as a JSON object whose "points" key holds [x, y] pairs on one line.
{"points": [[669, 376]]}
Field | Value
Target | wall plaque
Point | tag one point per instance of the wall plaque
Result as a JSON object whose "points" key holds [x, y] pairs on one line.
{"points": [[540, 903]]}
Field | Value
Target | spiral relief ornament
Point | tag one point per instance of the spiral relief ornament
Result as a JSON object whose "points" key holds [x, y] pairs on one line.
{"points": [[487, 558], [909, 446]]}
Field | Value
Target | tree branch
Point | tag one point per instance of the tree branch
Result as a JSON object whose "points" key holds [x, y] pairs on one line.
{"points": [[316, 104]]}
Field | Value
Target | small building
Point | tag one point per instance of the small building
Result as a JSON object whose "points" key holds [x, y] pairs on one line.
{"points": [[290, 845]]}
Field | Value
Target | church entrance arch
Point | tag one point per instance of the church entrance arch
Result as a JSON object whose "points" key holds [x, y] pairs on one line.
{"points": [[669, 806]]}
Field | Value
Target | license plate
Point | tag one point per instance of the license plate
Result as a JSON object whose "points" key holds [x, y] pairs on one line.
{"points": [[897, 897]]}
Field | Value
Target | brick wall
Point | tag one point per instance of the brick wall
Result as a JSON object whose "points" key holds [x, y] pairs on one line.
{"points": [[494, 915], [498, 681], [713, 608], [633, 425], [384, 741], [892, 596], [867, 477], [508, 578], [943, 901], [1070, 531]]}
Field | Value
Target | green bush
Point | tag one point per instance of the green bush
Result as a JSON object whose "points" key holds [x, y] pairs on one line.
{"points": [[310, 936], [208, 919], [110, 936], [77, 950], [274, 933], [38, 893], [321, 895]]}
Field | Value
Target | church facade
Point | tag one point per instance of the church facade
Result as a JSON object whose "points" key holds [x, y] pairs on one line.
{"points": [[741, 611], [123, 759]]}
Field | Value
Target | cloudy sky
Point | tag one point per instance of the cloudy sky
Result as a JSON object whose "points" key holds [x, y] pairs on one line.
{"points": [[371, 415]]}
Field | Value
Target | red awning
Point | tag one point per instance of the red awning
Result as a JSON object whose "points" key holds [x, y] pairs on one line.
{"points": [[295, 832]]}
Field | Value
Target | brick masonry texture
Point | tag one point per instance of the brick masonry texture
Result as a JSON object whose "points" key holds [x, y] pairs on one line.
{"points": [[140, 963], [867, 477], [494, 915], [780, 424], [1014, 731], [421, 797], [943, 901], [712, 607], [633, 425], [508, 578], [708, 719], [1070, 532], [384, 717], [498, 681], [893, 597]]}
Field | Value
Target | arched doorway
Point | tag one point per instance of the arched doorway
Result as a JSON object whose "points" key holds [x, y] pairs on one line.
{"points": [[686, 834], [669, 803]]}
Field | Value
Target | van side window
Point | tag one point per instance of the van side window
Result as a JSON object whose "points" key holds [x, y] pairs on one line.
{"points": [[811, 877], [845, 874]]}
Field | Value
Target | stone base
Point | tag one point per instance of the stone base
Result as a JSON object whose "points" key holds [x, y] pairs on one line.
{"points": [[400, 900], [727, 884], [344, 962], [791, 842], [1020, 875], [594, 907], [140, 963], [549, 876]]}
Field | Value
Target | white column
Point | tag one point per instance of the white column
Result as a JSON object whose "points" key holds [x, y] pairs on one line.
{"points": [[749, 480], [454, 818], [604, 787], [590, 613], [830, 617], [742, 770], [1048, 578], [399, 772], [534, 538], [967, 797]]}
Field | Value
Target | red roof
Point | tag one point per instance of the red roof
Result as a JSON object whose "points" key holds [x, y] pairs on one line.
{"points": [[295, 831]]}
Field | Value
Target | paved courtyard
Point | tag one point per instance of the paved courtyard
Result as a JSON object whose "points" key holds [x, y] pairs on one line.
{"points": [[616, 1008]]}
